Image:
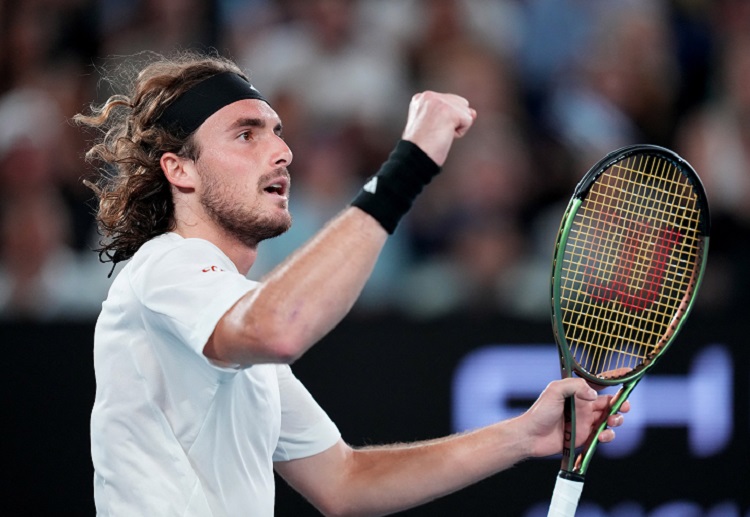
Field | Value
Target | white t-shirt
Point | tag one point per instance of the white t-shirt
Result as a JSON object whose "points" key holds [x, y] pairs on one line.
{"points": [[171, 433]]}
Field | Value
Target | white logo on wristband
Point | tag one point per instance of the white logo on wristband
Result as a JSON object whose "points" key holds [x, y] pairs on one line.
{"points": [[372, 185]]}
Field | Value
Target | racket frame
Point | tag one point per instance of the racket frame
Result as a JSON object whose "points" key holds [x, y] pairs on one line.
{"points": [[574, 468]]}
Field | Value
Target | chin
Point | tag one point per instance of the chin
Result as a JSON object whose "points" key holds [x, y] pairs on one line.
{"points": [[273, 228]]}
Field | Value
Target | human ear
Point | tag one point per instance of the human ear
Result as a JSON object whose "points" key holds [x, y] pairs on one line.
{"points": [[178, 170]]}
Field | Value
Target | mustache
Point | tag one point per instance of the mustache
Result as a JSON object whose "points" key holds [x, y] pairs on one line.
{"points": [[274, 174]]}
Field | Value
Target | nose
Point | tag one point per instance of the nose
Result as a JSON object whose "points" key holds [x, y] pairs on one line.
{"points": [[282, 153]]}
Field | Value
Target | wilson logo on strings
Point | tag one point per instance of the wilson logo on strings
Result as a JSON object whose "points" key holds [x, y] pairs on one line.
{"points": [[630, 272]]}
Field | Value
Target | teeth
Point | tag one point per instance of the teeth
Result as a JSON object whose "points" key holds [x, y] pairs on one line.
{"points": [[276, 187]]}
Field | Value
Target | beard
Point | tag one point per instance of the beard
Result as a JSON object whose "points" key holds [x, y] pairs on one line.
{"points": [[249, 225]]}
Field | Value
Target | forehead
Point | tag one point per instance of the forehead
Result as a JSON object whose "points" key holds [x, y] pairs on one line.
{"points": [[227, 117]]}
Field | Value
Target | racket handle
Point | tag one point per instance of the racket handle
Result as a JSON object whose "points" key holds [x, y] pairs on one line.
{"points": [[568, 488]]}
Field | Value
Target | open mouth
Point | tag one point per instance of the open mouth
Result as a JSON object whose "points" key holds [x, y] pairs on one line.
{"points": [[279, 187]]}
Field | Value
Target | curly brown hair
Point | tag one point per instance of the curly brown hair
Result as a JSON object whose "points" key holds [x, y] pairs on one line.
{"points": [[134, 197]]}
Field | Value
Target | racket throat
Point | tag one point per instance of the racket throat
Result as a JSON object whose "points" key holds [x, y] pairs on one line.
{"points": [[616, 403]]}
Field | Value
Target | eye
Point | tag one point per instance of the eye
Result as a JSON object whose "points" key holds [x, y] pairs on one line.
{"points": [[246, 135]]}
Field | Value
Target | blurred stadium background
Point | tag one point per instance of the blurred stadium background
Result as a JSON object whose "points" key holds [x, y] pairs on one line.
{"points": [[557, 84]]}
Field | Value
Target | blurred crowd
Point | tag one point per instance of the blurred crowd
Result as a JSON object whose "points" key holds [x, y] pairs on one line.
{"points": [[557, 84]]}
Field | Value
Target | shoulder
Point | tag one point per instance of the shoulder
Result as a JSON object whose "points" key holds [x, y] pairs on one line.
{"points": [[170, 257], [177, 251]]}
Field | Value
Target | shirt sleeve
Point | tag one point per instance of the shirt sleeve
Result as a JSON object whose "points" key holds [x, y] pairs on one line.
{"points": [[305, 428], [187, 288]]}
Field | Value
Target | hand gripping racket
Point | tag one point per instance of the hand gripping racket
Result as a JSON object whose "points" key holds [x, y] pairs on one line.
{"points": [[628, 261]]}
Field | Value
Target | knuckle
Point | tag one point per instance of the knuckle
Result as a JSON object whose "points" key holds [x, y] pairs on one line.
{"points": [[432, 98]]}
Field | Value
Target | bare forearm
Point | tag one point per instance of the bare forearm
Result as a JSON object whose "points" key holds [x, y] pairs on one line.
{"points": [[401, 478], [383, 480], [307, 295], [388, 479]]}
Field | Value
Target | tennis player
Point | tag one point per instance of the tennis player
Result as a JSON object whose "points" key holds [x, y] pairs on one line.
{"points": [[196, 404]]}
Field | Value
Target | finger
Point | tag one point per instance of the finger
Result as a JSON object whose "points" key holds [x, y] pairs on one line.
{"points": [[615, 420], [603, 402], [456, 100], [606, 436], [577, 387], [463, 125]]}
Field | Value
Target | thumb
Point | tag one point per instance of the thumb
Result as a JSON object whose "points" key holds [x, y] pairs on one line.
{"points": [[577, 387]]}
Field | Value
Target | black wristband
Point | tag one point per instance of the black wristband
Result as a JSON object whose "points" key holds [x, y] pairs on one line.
{"points": [[389, 194]]}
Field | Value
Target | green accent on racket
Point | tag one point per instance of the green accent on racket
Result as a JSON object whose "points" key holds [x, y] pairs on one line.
{"points": [[628, 261]]}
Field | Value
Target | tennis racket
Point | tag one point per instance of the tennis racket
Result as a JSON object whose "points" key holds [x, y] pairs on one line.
{"points": [[629, 257]]}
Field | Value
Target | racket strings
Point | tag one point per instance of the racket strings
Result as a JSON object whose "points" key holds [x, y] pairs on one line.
{"points": [[628, 263]]}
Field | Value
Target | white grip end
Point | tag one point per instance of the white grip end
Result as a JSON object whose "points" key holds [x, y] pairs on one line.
{"points": [[565, 497]]}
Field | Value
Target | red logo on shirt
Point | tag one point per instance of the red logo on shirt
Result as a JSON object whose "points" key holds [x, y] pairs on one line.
{"points": [[211, 268]]}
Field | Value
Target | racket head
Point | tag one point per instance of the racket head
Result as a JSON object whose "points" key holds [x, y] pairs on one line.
{"points": [[628, 261]]}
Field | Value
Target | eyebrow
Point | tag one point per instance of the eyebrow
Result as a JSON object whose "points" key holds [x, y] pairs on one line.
{"points": [[254, 122]]}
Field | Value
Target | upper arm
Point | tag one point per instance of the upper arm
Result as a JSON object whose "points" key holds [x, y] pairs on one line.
{"points": [[187, 289], [303, 298], [243, 335]]}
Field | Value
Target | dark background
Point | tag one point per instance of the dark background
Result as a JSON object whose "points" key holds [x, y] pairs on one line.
{"points": [[382, 379], [661, 66]]}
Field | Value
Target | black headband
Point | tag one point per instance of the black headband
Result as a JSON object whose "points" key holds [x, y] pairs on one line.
{"points": [[193, 107]]}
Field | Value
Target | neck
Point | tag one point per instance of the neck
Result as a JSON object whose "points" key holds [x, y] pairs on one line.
{"points": [[242, 255]]}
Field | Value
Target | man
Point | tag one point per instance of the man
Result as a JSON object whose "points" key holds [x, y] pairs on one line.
{"points": [[196, 404]]}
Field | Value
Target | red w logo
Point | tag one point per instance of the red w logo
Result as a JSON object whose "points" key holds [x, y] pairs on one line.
{"points": [[628, 264]]}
